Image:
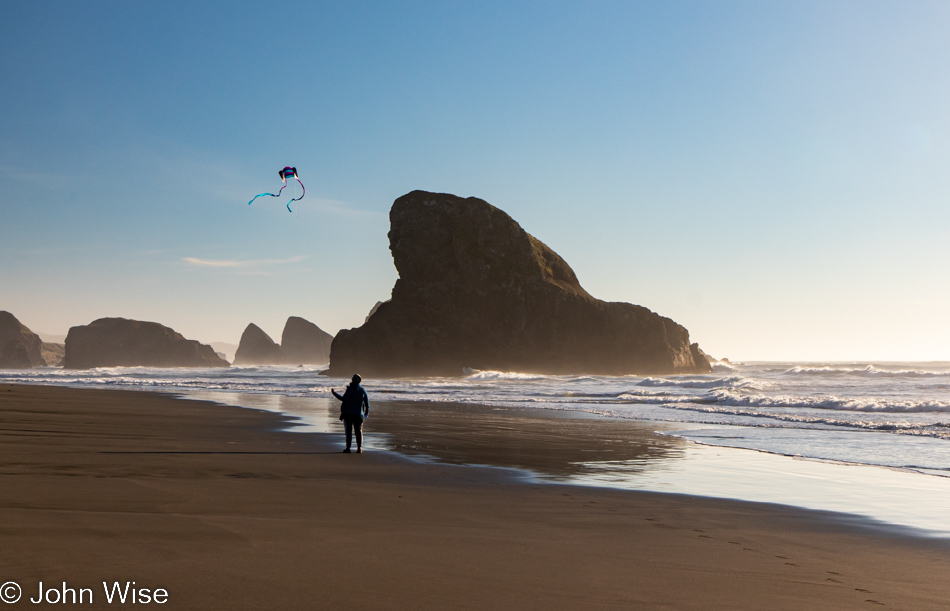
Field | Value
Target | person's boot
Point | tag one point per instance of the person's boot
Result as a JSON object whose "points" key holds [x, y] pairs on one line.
{"points": [[359, 450], [346, 451]]}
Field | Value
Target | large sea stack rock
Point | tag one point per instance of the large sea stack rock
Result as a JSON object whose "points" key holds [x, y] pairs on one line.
{"points": [[119, 342], [476, 291], [19, 347], [304, 342], [257, 348]]}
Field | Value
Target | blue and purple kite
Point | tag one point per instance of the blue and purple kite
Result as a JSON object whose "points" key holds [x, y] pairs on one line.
{"points": [[284, 174]]}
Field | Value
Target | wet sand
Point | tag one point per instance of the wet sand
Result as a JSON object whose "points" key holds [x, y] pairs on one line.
{"points": [[224, 511]]}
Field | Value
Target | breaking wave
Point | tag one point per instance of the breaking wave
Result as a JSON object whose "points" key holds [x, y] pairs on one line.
{"points": [[730, 382], [476, 375], [876, 404], [867, 371]]}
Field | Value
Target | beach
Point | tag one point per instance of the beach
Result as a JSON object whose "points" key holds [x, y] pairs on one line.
{"points": [[222, 509]]}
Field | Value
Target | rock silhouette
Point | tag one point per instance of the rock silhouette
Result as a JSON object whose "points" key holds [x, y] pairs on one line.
{"points": [[477, 291], [20, 348], [257, 348], [373, 311], [120, 342], [304, 342]]}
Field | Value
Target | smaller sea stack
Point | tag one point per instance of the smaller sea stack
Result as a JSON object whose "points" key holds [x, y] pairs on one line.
{"points": [[120, 342], [257, 348], [305, 343]]}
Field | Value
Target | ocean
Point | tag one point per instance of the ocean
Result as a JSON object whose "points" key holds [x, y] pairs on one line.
{"points": [[892, 417]]}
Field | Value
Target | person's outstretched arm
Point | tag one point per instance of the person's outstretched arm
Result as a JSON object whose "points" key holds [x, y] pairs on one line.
{"points": [[335, 394], [366, 402]]}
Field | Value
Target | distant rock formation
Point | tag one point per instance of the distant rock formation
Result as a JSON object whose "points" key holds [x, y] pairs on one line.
{"points": [[53, 354], [257, 348], [19, 347], [475, 290], [224, 348], [119, 342], [304, 342]]}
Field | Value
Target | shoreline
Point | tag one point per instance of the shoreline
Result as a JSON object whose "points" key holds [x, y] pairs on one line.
{"points": [[904, 501], [214, 504], [615, 453]]}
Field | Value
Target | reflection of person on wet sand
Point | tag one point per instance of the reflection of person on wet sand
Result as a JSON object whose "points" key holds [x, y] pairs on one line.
{"points": [[352, 413]]}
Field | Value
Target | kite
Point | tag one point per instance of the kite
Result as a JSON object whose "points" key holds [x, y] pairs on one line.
{"points": [[284, 174]]}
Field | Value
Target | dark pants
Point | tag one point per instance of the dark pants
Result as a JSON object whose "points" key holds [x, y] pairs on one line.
{"points": [[350, 423]]}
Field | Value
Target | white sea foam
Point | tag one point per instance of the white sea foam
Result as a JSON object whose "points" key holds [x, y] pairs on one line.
{"points": [[791, 420]]}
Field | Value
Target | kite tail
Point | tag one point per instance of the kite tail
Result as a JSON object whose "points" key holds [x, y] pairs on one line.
{"points": [[271, 194], [296, 198]]}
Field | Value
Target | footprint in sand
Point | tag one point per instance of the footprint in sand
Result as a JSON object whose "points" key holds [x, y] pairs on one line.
{"points": [[874, 602], [833, 580], [790, 564], [705, 537], [696, 530], [863, 590], [735, 543], [833, 573], [782, 557], [749, 549]]}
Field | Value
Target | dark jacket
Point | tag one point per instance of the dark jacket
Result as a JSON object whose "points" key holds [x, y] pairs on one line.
{"points": [[354, 398]]}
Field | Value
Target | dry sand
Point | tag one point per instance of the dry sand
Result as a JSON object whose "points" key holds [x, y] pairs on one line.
{"points": [[215, 505]]}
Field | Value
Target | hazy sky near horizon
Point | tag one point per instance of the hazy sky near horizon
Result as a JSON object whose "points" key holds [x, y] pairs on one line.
{"points": [[775, 176]]}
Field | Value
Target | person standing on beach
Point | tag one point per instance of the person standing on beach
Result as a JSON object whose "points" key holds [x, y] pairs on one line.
{"points": [[352, 413]]}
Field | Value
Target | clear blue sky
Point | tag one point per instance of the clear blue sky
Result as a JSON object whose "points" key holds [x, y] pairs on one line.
{"points": [[773, 175]]}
